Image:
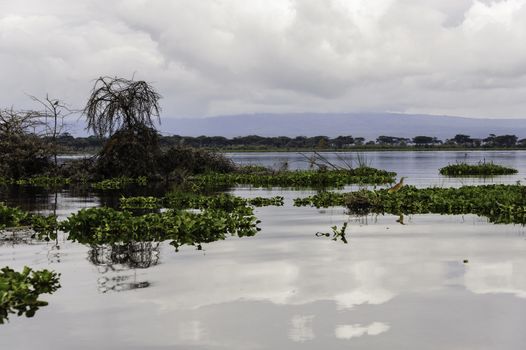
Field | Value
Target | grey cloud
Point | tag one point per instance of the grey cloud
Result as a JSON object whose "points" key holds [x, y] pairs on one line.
{"points": [[462, 57]]}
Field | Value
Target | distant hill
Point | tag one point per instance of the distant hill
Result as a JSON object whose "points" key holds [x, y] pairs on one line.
{"points": [[368, 125]]}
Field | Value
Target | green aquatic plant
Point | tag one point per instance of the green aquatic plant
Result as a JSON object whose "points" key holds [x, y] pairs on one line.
{"points": [[480, 169], [298, 178], [361, 202], [44, 227], [276, 201], [180, 227], [12, 217], [43, 181], [337, 234], [323, 199], [223, 201], [19, 291], [119, 183], [500, 203], [149, 203]]}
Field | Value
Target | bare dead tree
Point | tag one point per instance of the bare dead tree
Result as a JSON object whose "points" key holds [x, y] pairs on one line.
{"points": [[13, 122], [52, 116], [22, 151], [118, 103]]}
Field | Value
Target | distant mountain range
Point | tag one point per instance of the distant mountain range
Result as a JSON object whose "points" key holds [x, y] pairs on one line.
{"points": [[367, 125]]}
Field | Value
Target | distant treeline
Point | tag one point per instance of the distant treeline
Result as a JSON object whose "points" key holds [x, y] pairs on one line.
{"points": [[254, 142]]}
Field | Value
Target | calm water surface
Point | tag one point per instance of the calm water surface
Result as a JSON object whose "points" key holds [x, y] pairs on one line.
{"points": [[392, 286], [420, 168]]}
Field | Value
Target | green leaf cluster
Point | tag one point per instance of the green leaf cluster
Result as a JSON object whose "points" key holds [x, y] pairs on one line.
{"points": [[119, 183], [223, 201], [131, 203], [44, 226], [180, 227], [19, 291]]}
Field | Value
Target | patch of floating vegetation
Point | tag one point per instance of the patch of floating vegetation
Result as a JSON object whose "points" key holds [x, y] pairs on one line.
{"points": [[185, 200], [188, 219], [249, 175], [37, 181], [499, 203], [145, 203], [110, 226], [337, 234], [42, 226], [224, 201], [480, 169], [19, 291], [298, 178], [119, 183]]}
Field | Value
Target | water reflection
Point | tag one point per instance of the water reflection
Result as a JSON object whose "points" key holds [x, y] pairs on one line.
{"points": [[357, 330], [17, 236], [132, 255], [496, 277], [118, 264], [420, 167], [394, 287], [120, 283], [301, 328]]}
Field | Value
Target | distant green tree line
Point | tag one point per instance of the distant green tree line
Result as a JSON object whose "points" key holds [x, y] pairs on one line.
{"points": [[302, 142]]}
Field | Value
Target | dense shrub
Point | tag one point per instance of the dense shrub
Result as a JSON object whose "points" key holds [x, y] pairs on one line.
{"points": [[129, 152], [193, 161], [23, 155]]}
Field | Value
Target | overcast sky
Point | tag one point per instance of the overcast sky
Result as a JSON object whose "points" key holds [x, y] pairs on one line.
{"points": [[212, 57]]}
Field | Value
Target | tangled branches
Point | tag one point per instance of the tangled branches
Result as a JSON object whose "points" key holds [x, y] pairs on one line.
{"points": [[118, 103]]}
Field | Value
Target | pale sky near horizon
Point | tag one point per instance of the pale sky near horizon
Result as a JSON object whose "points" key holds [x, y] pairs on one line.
{"points": [[214, 57]]}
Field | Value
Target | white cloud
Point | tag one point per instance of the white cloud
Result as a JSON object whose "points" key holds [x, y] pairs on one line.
{"points": [[463, 57], [353, 331]]}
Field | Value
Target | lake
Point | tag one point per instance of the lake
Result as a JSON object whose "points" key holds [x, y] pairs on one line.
{"points": [[433, 282]]}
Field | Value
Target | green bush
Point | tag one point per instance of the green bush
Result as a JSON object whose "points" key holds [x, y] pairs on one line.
{"points": [[185, 160], [23, 155]]}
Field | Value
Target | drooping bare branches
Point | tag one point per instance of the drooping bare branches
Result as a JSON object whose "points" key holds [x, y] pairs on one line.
{"points": [[117, 103]]}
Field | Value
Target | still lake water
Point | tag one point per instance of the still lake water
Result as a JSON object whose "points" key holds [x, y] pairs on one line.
{"points": [[392, 286]]}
